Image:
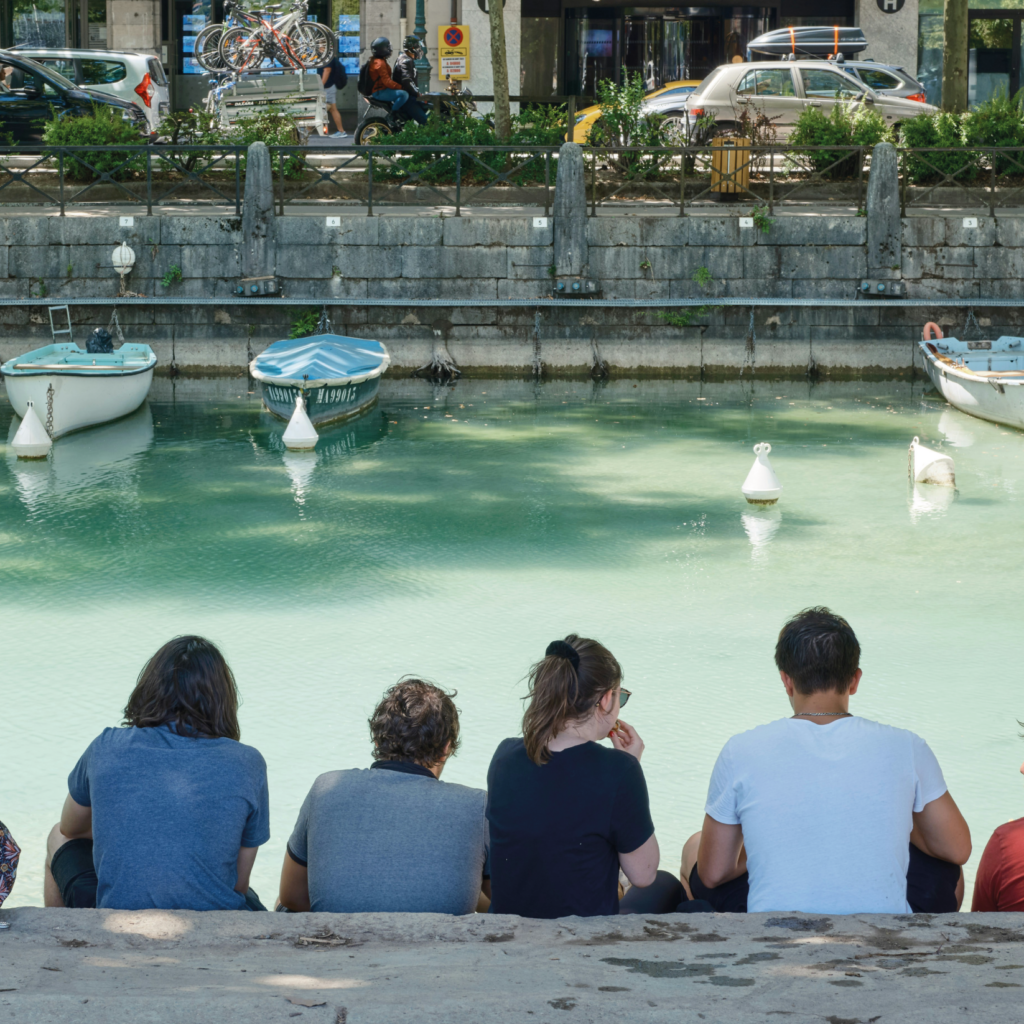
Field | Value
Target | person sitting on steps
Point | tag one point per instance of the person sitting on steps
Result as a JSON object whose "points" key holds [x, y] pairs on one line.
{"points": [[405, 76], [168, 813], [825, 812], [393, 837]]}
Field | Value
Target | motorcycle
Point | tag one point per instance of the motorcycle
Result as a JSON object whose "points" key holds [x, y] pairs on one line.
{"points": [[379, 121]]}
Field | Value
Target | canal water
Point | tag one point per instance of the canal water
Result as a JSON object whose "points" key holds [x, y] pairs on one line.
{"points": [[453, 533]]}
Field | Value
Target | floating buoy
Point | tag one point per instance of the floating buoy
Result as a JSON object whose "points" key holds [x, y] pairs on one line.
{"points": [[300, 433], [762, 486], [31, 441], [929, 467]]}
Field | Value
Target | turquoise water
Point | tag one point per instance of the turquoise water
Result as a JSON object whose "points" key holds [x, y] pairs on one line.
{"points": [[454, 533]]}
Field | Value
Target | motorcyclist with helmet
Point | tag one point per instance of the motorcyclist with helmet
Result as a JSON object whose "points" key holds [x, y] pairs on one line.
{"points": [[405, 76], [384, 86]]}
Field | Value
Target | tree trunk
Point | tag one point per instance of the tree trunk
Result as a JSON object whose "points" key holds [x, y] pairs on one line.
{"points": [[499, 70], [954, 56]]}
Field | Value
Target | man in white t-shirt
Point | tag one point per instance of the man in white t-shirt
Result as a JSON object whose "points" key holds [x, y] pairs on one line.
{"points": [[825, 812]]}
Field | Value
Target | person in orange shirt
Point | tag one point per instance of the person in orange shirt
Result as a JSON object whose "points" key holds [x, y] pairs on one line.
{"points": [[1000, 882], [384, 86]]}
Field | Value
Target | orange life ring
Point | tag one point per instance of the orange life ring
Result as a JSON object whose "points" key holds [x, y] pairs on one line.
{"points": [[929, 327]]}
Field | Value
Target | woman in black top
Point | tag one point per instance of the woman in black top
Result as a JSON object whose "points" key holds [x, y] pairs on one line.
{"points": [[565, 812]]}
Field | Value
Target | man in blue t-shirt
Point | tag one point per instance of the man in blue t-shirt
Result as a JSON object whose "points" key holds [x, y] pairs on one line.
{"points": [[334, 77]]}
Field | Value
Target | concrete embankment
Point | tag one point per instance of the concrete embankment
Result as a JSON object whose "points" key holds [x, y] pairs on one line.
{"points": [[108, 966]]}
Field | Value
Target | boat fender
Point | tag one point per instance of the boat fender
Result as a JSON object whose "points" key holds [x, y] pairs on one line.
{"points": [[31, 441], [927, 466], [300, 433], [762, 486], [930, 327]]}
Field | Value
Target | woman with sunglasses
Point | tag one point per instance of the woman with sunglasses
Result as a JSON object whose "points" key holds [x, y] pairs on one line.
{"points": [[565, 812]]}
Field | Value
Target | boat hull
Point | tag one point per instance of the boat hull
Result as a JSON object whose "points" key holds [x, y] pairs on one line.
{"points": [[330, 403], [79, 401], [999, 401]]}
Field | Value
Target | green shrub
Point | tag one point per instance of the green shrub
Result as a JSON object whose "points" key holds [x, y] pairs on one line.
{"points": [[999, 121], [103, 127], [540, 125], [273, 128], [624, 123], [189, 128], [847, 124], [941, 130]]}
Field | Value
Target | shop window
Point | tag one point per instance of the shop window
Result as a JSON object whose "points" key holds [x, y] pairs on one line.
{"points": [[38, 24], [538, 75], [97, 25]]}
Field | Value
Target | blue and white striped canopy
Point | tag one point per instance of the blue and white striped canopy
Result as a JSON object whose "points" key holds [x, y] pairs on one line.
{"points": [[321, 360]]}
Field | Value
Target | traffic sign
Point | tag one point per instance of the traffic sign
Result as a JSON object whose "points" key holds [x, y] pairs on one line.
{"points": [[453, 50]]}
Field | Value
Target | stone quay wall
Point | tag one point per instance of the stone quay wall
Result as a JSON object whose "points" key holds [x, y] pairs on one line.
{"points": [[402, 259]]}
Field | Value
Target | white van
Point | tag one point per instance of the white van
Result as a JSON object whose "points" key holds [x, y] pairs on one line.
{"points": [[133, 77]]}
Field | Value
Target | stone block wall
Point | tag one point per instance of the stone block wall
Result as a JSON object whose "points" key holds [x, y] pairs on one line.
{"points": [[402, 260]]}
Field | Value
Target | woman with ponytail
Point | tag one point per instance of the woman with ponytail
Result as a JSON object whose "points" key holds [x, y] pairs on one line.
{"points": [[566, 812]]}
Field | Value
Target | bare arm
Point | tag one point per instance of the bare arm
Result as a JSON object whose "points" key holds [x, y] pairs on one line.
{"points": [[940, 831], [294, 892], [246, 859], [75, 820], [642, 864], [722, 856], [325, 76]]}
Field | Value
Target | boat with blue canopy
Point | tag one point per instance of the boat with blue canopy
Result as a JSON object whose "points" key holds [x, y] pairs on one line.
{"points": [[338, 377]]}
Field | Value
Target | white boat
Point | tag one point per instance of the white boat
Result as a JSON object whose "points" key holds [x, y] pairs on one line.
{"points": [[982, 378], [71, 388]]}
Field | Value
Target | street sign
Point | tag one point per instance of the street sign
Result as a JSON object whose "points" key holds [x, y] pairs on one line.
{"points": [[453, 50]]}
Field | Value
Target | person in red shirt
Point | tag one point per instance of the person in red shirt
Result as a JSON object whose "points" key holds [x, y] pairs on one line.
{"points": [[1000, 882]]}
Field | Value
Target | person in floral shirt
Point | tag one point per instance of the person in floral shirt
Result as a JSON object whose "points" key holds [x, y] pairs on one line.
{"points": [[9, 854]]}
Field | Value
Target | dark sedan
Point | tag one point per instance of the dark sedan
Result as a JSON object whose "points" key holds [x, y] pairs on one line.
{"points": [[30, 95]]}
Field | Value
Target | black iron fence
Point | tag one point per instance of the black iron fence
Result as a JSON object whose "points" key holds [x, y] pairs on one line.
{"points": [[458, 177]]}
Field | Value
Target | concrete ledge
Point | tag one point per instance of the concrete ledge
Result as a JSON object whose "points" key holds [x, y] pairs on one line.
{"points": [[106, 966]]}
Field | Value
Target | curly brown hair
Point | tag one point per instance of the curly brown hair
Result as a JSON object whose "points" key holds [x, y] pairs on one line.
{"points": [[415, 721]]}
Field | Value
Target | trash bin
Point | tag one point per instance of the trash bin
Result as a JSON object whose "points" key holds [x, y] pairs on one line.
{"points": [[730, 169]]}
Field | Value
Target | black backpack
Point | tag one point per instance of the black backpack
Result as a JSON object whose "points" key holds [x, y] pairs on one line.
{"points": [[365, 83]]}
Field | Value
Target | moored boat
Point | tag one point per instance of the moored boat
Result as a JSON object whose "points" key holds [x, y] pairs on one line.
{"points": [[337, 377], [982, 378], [72, 389]]}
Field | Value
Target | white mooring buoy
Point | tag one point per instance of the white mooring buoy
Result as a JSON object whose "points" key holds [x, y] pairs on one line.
{"points": [[300, 433], [31, 441], [929, 467], [762, 486]]}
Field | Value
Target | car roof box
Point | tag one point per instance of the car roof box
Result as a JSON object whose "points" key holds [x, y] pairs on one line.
{"points": [[808, 41]]}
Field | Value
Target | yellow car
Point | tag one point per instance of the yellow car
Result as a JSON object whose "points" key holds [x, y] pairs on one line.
{"points": [[666, 101]]}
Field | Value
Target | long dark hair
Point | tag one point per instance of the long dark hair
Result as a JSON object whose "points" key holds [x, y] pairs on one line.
{"points": [[187, 684], [565, 689]]}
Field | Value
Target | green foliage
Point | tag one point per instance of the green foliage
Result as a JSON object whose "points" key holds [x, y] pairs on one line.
{"points": [[71, 269], [103, 127], [540, 125], [624, 123], [762, 221], [999, 121], [173, 276], [703, 279], [190, 128], [940, 130], [305, 323], [847, 124], [275, 129]]}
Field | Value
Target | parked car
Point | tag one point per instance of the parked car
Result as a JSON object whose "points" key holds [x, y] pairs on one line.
{"points": [[666, 101], [783, 90], [133, 77], [31, 94], [886, 79]]}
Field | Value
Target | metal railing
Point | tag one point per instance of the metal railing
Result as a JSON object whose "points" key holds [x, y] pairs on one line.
{"points": [[458, 177]]}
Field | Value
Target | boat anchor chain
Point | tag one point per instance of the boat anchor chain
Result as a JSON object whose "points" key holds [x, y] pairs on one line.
{"points": [[323, 325], [49, 409], [970, 322], [116, 324]]}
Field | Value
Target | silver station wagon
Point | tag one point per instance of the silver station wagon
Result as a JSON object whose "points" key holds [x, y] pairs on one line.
{"points": [[782, 90]]}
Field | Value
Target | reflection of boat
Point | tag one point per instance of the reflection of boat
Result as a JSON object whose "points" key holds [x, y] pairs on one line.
{"points": [[338, 377], [85, 459], [982, 378], [72, 389]]}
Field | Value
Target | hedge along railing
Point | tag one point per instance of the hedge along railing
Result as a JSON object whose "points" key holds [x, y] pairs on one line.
{"points": [[379, 172], [129, 170], [972, 170]]}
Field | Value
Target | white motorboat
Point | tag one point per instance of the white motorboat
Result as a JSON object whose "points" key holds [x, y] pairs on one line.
{"points": [[982, 378], [71, 388]]}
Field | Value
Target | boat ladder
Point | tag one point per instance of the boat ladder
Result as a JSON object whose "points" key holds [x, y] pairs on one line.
{"points": [[54, 330]]}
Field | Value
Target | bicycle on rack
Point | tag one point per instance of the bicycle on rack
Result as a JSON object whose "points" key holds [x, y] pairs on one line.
{"points": [[288, 40], [207, 44]]}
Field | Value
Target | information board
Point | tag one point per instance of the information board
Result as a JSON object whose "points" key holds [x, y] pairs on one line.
{"points": [[453, 51]]}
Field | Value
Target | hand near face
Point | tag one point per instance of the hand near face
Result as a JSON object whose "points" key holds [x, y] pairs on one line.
{"points": [[625, 737]]}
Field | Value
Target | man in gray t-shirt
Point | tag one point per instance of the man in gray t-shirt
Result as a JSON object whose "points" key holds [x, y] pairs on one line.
{"points": [[393, 837]]}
